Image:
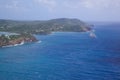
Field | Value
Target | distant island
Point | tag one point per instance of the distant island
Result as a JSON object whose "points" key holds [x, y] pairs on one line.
{"points": [[26, 29]]}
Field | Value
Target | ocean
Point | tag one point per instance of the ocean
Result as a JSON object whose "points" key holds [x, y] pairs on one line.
{"points": [[65, 56]]}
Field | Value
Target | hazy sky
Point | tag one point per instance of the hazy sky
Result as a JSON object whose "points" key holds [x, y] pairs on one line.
{"points": [[86, 10]]}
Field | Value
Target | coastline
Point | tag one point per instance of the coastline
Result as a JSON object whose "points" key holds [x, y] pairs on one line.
{"points": [[22, 43], [29, 38], [13, 45], [15, 40]]}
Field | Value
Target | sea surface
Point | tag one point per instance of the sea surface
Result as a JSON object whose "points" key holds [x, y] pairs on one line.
{"points": [[65, 56]]}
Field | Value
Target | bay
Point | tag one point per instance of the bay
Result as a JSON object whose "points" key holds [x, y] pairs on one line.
{"points": [[65, 56]]}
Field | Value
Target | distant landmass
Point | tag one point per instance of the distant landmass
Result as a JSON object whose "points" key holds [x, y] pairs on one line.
{"points": [[25, 29], [44, 27]]}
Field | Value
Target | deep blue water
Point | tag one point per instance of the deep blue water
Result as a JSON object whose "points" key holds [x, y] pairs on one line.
{"points": [[65, 56]]}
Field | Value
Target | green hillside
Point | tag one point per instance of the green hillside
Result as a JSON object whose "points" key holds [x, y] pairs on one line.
{"points": [[44, 27]]}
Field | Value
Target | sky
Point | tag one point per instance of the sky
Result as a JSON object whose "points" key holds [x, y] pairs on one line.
{"points": [[86, 10]]}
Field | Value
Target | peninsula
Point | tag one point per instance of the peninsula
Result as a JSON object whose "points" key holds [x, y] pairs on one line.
{"points": [[13, 40], [26, 29]]}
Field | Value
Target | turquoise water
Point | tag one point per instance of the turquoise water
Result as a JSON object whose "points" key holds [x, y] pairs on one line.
{"points": [[65, 56]]}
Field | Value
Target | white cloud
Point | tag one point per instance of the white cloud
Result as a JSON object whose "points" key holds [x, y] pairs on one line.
{"points": [[92, 4], [99, 4], [14, 5], [50, 4], [53, 5]]}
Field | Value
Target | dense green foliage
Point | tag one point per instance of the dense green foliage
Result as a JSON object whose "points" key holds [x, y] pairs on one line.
{"points": [[44, 27]]}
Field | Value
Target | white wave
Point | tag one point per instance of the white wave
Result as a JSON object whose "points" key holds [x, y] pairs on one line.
{"points": [[14, 44], [93, 35], [8, 46], [39, 41]]}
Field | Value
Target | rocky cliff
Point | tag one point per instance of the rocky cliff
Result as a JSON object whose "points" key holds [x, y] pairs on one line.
{"points": [[9, 40]]}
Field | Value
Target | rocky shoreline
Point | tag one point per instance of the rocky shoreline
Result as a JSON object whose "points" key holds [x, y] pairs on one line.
{"points": [[14, 40]]}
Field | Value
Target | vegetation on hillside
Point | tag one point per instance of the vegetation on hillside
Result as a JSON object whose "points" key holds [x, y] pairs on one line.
{"points": [[6, 40], [44, 27]]}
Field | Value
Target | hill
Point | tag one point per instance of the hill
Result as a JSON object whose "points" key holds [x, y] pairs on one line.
{"points": [[44, 27], [13, 40]]}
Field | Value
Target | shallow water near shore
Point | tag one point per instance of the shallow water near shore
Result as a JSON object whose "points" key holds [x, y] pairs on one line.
{"points": [[65, 56]]}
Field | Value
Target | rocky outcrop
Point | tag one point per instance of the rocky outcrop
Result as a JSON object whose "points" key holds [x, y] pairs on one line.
{"points": [[6, 40]]}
